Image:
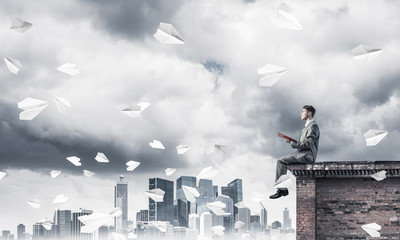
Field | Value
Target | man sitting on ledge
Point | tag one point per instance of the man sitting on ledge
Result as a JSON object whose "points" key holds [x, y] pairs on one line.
{"points": [[307, 148]]}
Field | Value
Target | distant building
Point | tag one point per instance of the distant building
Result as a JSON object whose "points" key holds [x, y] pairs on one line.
{"points": [[264, 218], [10, 236], [215, 191], [228, 221], [286, 219], [194, 222], [162, 211], [4, 234], [62, 224], [205, 225], [20, 231], [207, 188], [40, 233], [276, 225], [121, 201], [184, 206], [243, 215], [142, 215], [254, 218], [234, 190], [103, 233], [77, 224]]}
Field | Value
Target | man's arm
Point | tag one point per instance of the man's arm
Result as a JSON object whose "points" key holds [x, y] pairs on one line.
{"points": [[309, 140]]}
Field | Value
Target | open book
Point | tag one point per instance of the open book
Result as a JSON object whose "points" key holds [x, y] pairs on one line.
{"points": [[286, 137]]}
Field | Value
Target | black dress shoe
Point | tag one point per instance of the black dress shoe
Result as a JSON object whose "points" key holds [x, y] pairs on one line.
{"points": [[280, 193]]}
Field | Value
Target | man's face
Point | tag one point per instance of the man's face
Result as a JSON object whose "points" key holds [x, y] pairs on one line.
{"points": [[305, 114]]}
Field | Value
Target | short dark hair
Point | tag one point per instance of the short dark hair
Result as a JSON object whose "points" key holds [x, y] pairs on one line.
{"points": [[310, 108]]}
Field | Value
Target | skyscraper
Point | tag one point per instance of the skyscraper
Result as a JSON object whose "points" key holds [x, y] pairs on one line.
{"points": [[4, 234], [142, 216], [234, 191], [206, 224], [264, 218], [162, 211], [243, 215], [207, 188], [63, 223], [20, 231], [121, 201], [184, 206], [286, 220], [227, 221], [76, 225]]}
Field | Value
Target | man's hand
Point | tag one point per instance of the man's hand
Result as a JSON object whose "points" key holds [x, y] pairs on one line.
{"points": [[287, 140]]}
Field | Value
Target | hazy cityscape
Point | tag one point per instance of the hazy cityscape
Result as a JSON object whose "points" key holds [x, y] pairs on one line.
{"points": [[200, 210]]}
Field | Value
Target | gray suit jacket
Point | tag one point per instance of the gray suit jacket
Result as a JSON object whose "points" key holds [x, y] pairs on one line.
{"points": [[307, 146]]}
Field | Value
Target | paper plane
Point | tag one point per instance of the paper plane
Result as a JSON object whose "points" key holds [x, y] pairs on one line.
{"points": [[2, 175], [190, 193], [13, 65], [270, 74], [286, 20], [55, 173], [156, 144], [32, 107], [217, 208], [62, 104], [116, 212], [373, 137], [75, 160], [257, 197], [46, 223], [20, 25], [156, 194], [34, 203], [365, 54], [69, 68], [239, 224], [87, 173], [379, 176], [207, 173], [94, 221], [136, 110], [132, 165], [169, 171], [100, 157], [240, 204], [218, 230], [60, 199], [372, 229], [167, 34], [117, 236], [161, 228], [182, 149], [284, 181]]}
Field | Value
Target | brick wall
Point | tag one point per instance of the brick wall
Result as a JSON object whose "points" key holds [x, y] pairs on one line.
{"points": [[305, 210]]}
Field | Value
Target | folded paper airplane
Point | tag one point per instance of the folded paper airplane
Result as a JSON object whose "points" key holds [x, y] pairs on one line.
{"points": [[270, 74], [167, 34], [32, 107], [20, 25]]}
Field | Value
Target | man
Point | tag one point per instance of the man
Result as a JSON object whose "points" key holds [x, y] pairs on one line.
{"points": [[307, 148]]}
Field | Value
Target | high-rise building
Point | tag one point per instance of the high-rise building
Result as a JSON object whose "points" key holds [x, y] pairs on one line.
{"points": [[183, 206], [234, 190], [215, 191], [243, 215], [205, 185], [142, 216], [162, 211], [194, 221], [254, 218], [121, 201], [40, 233], [205, 225], [227, 221], [276, 225], [10, 236], [63, 223], [285, 218], [20, 231], [77, 224], [4, 234], [264, 218]]}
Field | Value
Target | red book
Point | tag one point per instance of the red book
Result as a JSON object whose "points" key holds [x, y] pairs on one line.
{"points": [[286, 137]]}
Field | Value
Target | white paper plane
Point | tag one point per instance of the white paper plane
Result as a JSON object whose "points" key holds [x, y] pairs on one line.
{"points": [[284, 181], [132, 165], [87, 173], [365, 54], [257, 197], [20, 25], [217, 208], [286, 20], [156, 194], [69, 68], [117, 236], [169, 171], [218, 230], [379, 176], [182, 149], [167, 34], [207, 173], [240, 204], [373, 137], [32, 107], [62, 104], [34, 203], [372, 229], [100, 157], [2, 175], [156, 144], [75, 160], [60, 199], [190, 193], [239, 224], [94, 221], [13, 65], [270, 74], [116, 212], [46, 223], [136, 110], [55, 173]]}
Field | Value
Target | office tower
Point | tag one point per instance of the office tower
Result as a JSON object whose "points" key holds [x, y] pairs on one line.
{"points": [[20, 231], [76, 225], [254, 218], [264, 218], [206, 224], [40, 233], [184, 206], [63, 223], [4, 234], [103, 233], [121, 201], [194, 221], [206, 187], [243, 215], [276, 225], [215, 191], [142, 216], [228, 221], [234, 191], [162, 211], [285, 218]]}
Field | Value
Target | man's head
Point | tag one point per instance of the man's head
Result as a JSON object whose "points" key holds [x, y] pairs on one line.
{"points": [[307, 112]]}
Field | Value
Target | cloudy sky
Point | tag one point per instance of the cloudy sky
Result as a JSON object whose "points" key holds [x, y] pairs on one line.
{"points": [[204, 92]]}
